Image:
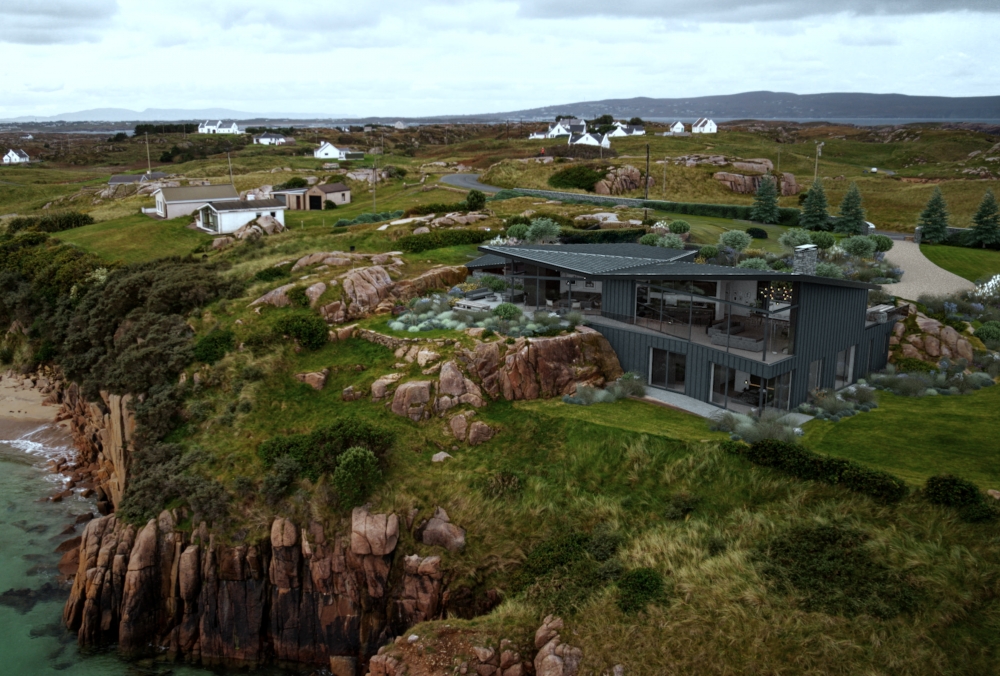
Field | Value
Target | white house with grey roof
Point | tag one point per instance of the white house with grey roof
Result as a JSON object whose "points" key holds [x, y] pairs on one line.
{"points": [[627, 130], [270, 139], [676, 128], [175, 202], [704, 126], [567, 127], [219, 127], [16, 157], [590, 139], [228, 216], [328, 151]]}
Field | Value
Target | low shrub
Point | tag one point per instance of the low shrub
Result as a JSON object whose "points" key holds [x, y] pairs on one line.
{"points": [[272, 274], [681, 227], [860, 246], [609, 236], [795, 237], [988, 331], [752, 429], [442, 238], [709, 251], [475, 200], [822, 239], [503, 484], [297, 295], [214, 345], [629, 385], [804, 464], [580, 177], [834, 573], [283, 475], [369, 218], [830, 270], [308, 329], [757, 233], [735, 239], [638, 588], [963, 495], [649, 239], [493, 283], [680, 506], [882, 243], [559, 551], [517, 230], [356, 477], [542, 231], [507, 311], [912, 365], [753, 264], [58, 222], [317, 452]]}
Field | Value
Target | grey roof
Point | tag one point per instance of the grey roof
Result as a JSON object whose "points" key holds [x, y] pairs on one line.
{"points": [[247, 205], [154, 175], [20, 153], [288, 191], [578, 128], [487, 261], [641, 261], [203, 193], [119, 179], [270, 135], [333, 187]]}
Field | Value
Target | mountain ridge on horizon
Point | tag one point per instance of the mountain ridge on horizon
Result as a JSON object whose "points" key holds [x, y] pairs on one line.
{"points": [[765, 105]]}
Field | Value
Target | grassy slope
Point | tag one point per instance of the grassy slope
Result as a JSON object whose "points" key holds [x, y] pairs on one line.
{"points": [[136, 238], [973, 264], [920, 437]]}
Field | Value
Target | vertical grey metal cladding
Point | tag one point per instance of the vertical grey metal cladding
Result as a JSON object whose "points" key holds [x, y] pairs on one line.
{"points": [[632, 348], [618, 296], [876, 337], [830, 319]]}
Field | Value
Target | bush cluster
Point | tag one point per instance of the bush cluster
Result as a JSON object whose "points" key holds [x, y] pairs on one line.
{"points": [[308, 329], [160, 475], [833, 571], [273, 273], [960, 494], [580, 177], [368, 218], [442, 238], [628, 385], [58, 222], [318, 452], [757, 233], [474, 201], [638, 588], [214, 345], [804, 464], [356, 477], [609, 236]]}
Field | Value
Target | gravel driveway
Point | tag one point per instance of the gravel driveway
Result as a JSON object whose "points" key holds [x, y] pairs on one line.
{"points": [[920, 275]]}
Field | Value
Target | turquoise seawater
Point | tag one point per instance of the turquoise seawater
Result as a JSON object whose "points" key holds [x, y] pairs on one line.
{"points": [[33, 641]]}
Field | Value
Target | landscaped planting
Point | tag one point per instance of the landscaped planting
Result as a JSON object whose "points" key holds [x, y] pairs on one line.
{"points": [[438, 312], [948, 379], [834, 406], [629, 385]]}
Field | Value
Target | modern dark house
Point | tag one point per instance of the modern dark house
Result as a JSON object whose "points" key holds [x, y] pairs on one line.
{"points": [[735, 337]]}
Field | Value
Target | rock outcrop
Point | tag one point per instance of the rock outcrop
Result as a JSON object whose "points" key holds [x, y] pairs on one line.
{"points": [[299, 596], [439, 531], [619, 181], [927, 339], [748, 184], [554, 657]]}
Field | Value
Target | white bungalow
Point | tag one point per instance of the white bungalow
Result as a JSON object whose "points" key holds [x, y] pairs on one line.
{"points": [[328, 151], [590, 139], [269, 139], [567, 127], [536, 135], [704, 126], [229, 216], [16, 157], [676, 128], [627, 130], [174, 202], [219, 127]]}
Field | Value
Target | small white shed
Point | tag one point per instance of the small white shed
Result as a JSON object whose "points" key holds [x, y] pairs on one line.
{"points": [[227, 217]]}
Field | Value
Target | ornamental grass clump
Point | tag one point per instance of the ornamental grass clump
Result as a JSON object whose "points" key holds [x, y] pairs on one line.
{"points": [[751, 429]]}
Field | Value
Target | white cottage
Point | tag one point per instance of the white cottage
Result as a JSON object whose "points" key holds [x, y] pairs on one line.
{"points": [[590, 139], [328, 151], [566, 127], [536, 135], [627, 130], [676, 128], [704, 126], [219, 127], [16, 157], [229, 216], [269, 139]]}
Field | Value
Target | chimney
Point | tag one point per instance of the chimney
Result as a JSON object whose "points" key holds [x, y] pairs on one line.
{"points": [[804, 261]]}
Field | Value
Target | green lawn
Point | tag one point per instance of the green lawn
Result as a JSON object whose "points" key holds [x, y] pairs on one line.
{"points": [[136, 238], [973, 264], [916, 438]]}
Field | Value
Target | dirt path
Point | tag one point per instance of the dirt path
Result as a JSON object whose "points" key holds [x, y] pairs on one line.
{"points": [[920, 275]]}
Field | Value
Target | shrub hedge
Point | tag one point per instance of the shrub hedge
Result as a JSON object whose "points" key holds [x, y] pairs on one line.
{"points": [[580, 177], [309, 329], [318, 452], [757, 233], [442, 238], [356, 476], [804, 464], [951, 491], [622, 236], [66, 220]]}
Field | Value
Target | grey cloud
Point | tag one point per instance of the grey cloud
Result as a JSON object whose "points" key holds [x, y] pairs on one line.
{"points": [[731, 11], [868, 40], [41, 22]]}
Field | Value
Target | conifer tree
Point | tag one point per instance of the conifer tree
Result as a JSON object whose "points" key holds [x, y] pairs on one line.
{"points": [[986, 229], [852, 213], [933, 219], [765, 202], [814, 215]]}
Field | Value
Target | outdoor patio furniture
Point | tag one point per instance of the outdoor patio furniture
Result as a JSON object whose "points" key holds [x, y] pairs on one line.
{"points": [[478, 294], [720, 329]]}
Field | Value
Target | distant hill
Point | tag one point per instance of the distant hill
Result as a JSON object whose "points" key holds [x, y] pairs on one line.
{"points": [[782, 106], [152, 115]]}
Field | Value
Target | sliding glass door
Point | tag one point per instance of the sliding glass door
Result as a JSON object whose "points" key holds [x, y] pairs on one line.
{"points": [[667, 370]]}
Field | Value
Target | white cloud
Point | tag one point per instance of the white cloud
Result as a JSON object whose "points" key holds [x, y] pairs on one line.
{"points": [[42, 22]]}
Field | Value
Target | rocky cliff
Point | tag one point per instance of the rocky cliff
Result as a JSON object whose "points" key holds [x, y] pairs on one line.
{"points": [[302, 595]]}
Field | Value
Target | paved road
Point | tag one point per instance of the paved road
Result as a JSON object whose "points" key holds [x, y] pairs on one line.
{"points": [[920, 275], [468, 182]]}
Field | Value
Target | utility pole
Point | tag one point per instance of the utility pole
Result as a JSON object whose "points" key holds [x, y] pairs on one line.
{"points": [[231, 180], [645, 211], [374, 182], [819, 151], [149, 162], [664, 177]]}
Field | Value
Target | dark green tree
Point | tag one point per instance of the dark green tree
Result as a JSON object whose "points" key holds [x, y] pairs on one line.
{"points": [[986, 229], [814, 215], [852, 213], [765, 202], [636, 122], [933, 219], [475, 200]]}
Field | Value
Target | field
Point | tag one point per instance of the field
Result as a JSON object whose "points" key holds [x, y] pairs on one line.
{"points": [[976, 265], [137, 238]]}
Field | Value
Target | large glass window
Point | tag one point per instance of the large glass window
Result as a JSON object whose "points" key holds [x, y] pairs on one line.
{"points": [[845, 367], [815, 375], [668, 370], [741, 391]]}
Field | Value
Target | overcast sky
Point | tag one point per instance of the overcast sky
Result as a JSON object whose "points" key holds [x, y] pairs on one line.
{"points": [[406, 58]]}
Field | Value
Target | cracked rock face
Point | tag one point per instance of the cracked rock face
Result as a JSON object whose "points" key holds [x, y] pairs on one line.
{"points": [[441, 532]]}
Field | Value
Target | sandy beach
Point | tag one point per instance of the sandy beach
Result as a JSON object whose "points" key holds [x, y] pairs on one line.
{"points": [[22, 402]]}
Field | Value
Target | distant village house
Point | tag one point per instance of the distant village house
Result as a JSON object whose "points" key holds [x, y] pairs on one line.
{"points": [[328, 151], [218, 128], [590, 139], [313, 198], [704, 126], [269, 139], [622, 129], [16, 157], [676, 128]]}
